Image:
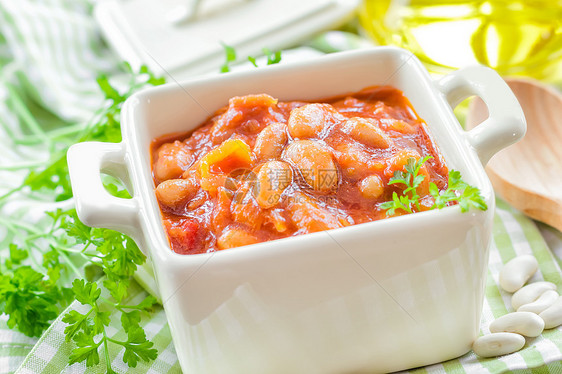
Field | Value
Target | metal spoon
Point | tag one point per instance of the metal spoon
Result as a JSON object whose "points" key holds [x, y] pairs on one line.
{"points": [[528, 174]]}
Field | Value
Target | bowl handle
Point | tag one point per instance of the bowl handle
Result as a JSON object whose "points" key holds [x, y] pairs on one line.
{"points": [[506, 122], [94, 205]]}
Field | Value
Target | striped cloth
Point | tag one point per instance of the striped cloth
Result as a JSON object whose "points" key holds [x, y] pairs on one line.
{"points": [[514, 234], [50, 54]]}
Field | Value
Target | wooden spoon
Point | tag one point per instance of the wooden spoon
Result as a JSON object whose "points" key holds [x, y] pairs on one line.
{"points": [[528, 174]]}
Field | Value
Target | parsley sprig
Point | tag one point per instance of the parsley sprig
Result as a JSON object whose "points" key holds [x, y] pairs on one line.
{"points": [[84, 327], [44, 259], [457, 191], [412, 180], [408, 201]]}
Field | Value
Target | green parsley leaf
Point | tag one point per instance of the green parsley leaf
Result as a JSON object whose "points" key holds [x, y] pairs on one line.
{"points": [[272, 57], [53, 178], [118, 288], [137, 347], [110, 92], [86, 292], [101, 319], [75, 228], [87, 350], [29, 300], [147, 304], [253, 61], [230, 56], [17, 255], [76, 321], [130, 320]]}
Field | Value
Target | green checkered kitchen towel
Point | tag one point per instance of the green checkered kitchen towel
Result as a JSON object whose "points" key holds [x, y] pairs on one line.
{"points": [[514, 234], [50, 51]]}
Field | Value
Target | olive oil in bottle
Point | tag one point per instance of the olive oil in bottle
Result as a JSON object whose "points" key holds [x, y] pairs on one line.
{"points": [[515, 37]]}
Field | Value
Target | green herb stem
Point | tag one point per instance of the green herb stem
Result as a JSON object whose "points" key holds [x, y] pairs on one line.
{"points": [[11, 192], [105, 339], [24, 165], [26, 115]]}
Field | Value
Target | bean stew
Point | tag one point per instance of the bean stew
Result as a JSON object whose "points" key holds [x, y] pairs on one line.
{"points": [[260, 169]]}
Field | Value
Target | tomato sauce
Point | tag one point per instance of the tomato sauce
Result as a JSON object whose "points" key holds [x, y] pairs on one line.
{"points": [[260, 169]]}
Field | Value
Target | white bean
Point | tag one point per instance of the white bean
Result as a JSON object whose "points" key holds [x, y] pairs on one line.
{"points": [[372, 187], [366, 131], [539, 305], [172, 160], [235, 237], [270, 142], [552, 315], [498, 344], [530, 293], [309, 121], [315, 163], [517, 272], [272, 179], [523, 323], [174, 192]]}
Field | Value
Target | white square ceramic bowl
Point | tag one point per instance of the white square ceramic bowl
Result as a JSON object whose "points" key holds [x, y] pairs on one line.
{"points": [[375, 297]]}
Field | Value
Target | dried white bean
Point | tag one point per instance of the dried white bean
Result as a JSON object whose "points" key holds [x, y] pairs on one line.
{"points": [[530, 293], [552, 315], [523, 323], [517, 272], [498, 344], [539, 305]]}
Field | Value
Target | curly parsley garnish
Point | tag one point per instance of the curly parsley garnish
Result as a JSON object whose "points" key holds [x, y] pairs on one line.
{"points": [[408, 201], [43, 262]]}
